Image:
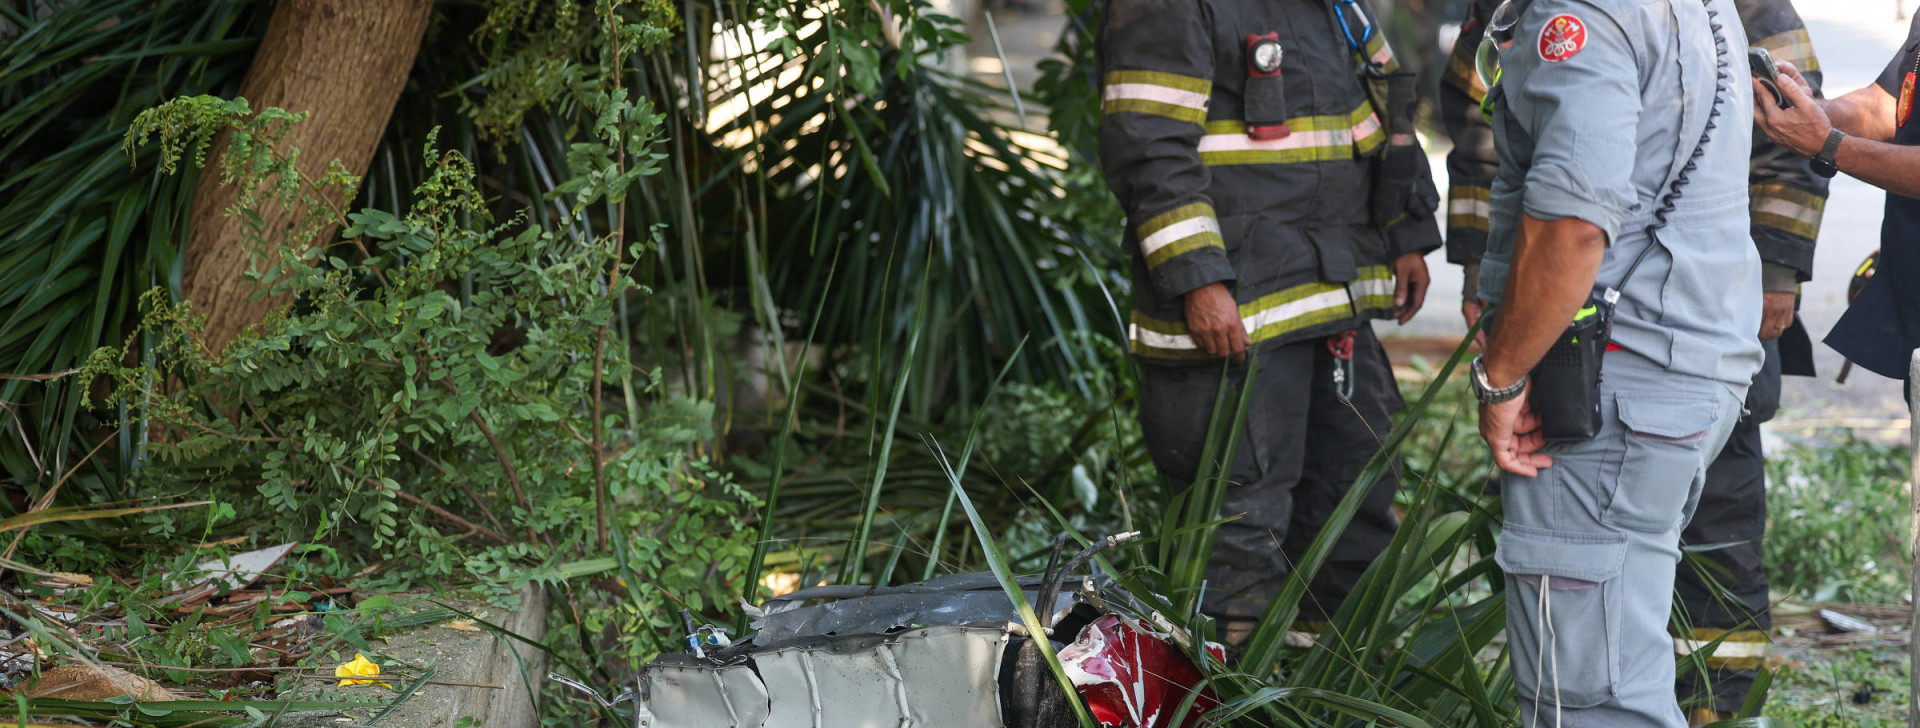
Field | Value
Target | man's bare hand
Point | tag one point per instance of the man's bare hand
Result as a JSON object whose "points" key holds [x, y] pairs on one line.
{"points": [[1512, 429], [1213, 320], [1804, 127], [1776, 314], [1409, 285], [1471, 310]]}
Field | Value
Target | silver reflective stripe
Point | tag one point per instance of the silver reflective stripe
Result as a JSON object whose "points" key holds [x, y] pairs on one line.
{"points": [[1151, 92], [1261, 318], [1178, 231], [1469, 206], [1370, 287], [1730, 650], [1297, 140]]}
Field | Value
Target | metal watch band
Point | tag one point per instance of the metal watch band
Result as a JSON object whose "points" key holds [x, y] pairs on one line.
{"points": [[1484, 390], [1823, 163]]}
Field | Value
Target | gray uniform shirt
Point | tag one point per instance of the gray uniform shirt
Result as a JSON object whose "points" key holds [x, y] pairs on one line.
{"points": [[1603, 102]]}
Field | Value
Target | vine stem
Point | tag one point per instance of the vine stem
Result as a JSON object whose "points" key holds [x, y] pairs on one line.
{"points": [[600, 492], [506, 463]]}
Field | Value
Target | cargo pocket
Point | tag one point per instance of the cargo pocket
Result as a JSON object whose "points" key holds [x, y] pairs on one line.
{"points": [[1666, 440], [1563, 606]]}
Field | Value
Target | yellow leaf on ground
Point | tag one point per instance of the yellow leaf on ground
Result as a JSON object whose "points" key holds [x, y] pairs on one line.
{"points": [[360, 667], [463, 625]]}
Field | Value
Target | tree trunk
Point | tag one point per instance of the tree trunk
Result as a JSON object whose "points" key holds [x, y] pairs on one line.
{"points": [[342, 61]]}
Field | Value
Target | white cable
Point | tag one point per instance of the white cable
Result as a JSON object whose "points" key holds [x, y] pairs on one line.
{"points": [[1540, 653], [1553, 651]]}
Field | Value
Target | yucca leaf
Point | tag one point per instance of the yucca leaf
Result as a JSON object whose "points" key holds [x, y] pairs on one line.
{"points": [[1009, 582]]}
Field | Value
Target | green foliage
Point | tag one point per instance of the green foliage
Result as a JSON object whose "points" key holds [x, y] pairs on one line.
{"points": [[1837, 522], [1861, 688], [542, 53], [424, 399], [1069, 87], [878, 158], [83, 231]]}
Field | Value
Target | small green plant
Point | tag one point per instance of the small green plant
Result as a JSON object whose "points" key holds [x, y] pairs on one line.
{"points": [[1863, 688], [1837, 522]]}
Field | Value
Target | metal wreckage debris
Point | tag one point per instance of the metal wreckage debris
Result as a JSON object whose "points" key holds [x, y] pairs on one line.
{"points": [[947, 653]]}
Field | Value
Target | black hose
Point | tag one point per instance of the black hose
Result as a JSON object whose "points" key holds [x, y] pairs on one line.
{"points": [[1050, 588]]}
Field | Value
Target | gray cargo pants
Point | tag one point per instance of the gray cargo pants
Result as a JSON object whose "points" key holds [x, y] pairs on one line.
{"points": [[1589, 548]]}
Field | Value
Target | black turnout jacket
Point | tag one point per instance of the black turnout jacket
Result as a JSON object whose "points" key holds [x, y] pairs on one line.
{"points": [[1291, 223]]}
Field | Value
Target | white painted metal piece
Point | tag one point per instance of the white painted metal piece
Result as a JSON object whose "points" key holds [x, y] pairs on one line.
{"points": [[231, 573], [820, 688], [937, 677], [700, 697], [952, 676]]}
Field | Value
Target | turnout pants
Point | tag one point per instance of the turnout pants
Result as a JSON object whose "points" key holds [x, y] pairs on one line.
{"points": [[1722, 587], [1589, 548], [1300, 449]]}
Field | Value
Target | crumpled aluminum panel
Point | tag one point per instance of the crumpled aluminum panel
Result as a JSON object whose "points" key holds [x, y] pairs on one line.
{"points": [[882, 613], [952, 676], [938, 677], [825, 689], [703, 697]]}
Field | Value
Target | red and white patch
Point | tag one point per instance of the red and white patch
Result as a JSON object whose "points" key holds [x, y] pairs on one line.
{"points": [[1562, 38]]}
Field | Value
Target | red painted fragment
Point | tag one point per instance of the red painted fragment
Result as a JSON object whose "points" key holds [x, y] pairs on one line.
{"points": [[1135, 678]]}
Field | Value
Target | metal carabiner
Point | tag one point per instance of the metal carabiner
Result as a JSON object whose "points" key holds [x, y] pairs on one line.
{"points": [[1346, 26]]}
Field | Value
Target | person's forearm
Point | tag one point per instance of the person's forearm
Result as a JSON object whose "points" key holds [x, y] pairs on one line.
{"points": [[1551, 276], [1889, 167], [1865, 113]]}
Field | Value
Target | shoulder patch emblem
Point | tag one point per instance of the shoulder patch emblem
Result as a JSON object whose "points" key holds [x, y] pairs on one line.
{"points": [[1905, 107], [1562, 38]]}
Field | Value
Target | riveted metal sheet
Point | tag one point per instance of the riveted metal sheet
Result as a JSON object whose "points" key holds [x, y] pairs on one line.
{"points": [[951, 676], [704, 697], [831, 688]]}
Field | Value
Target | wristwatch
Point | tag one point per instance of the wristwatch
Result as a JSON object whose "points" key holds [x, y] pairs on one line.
{"points": [[1484, 390], [1823, 163]]}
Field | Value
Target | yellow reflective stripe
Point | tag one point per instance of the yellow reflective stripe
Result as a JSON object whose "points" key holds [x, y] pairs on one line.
{"points": [[1313, 139], [1177, 97], [1468, 206], [1273, 315], [1793, 46], [1154, 108], [1373, 295], [1796, 212], [1174, 81], [1179, 231], [1382, 54], [1737, 649], [1462, 75]]}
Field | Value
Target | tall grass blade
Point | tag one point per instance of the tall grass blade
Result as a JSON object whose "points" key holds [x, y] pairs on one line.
{"points": [[1263, 648], [997, 562], [788, 422], [856, 551]]}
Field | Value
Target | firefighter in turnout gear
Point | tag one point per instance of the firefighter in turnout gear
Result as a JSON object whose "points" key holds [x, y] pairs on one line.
{"points": [[1277, 202], [1723, 590]]}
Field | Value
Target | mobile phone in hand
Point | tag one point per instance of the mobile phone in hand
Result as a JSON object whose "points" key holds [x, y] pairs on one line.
{"points": [[1764, 69]]}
